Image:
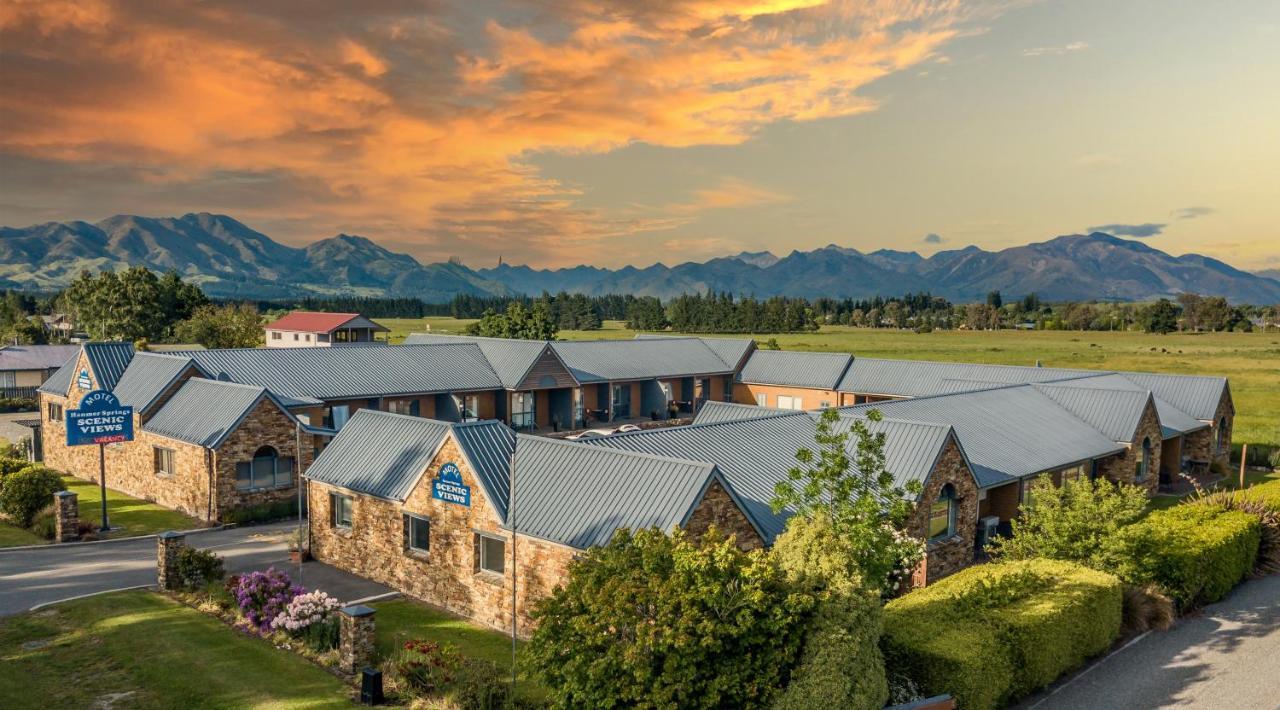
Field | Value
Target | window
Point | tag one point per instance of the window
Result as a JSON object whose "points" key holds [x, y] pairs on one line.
{"points": [[339, 414], [1073, 474], [579, 408], [728, 389], [267, 470], [785, 402], [522, 414], [308, 337], [1224, 437], [322, 337], [401, 406], [163, 461], [1144, 461], [295, 336], [942, 514], [8, 378], [762, 400], [468, 406], [825, 404], [55, 412], [340, 510], [666, 390], [417, 533], [275, 335], [491, 552]]}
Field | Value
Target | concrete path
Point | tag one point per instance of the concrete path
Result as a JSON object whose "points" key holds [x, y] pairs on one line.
{"points": [[1227, 657], [56, 572]]}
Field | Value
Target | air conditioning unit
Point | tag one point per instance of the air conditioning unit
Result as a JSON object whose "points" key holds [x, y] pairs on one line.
{"points": [[987, 529]]}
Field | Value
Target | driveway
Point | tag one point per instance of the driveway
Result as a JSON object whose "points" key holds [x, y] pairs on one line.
{"points": [[1227, 657], [56, 572]]}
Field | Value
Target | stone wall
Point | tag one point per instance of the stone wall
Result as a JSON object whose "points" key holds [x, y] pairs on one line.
{"points": [[447, 575], [266, 425], [810, 398], [717, 508], [1123, 468], [952, 554]]}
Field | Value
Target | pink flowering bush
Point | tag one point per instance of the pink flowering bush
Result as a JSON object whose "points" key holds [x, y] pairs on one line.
{"points": [[262, 596], [310, 617]]}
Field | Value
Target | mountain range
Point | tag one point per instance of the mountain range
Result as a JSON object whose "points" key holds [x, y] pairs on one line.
{"points": [[230, 259]]}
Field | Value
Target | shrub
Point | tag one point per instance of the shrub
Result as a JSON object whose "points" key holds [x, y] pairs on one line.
{"points": [[261, 596], [1195, 553], [261, 513], [426, 667], [1263, 502], [44, 523], [10, 464], [310, 617], [481, 686], [27, 491], [1146, 608], [658, 620], [197, 569], [992, 633], [1077, 522]]}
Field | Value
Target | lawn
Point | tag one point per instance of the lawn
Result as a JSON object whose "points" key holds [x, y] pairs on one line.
{"points": [[132, 517], [1250, 360], [147, 651], [401, 620], [1252, 477]]}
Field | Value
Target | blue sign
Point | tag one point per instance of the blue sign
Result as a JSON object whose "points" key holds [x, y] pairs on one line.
{"points": [[99, 420], [82, 380], [448, 487]]}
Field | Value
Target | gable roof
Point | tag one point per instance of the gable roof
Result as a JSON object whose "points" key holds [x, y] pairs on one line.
{"points": [[922, 378], [147, 377], [795, 368], [36, 357], [488, 446], [1007, 433], [352, 373], [1115, 413], [1173, 421], [204, 412], [733, 351], [1194, 394], [510, 358], [639, 359], [712, 412], [108, 361], [580, 495], [59, 382], [317, 322], [379, 453]]}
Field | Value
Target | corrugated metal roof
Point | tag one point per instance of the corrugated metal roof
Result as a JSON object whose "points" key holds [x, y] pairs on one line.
{"points": [[910, 448], [346, 373], [638, 359], [36, 357], [1115, 413], [488, 445], [795, 368], [317, 322], [580, 495], [1193, 394], [379, 453], [732, 351], [1173, 421], [108, 361], [510, 358], [204, 412], [147, 376], [59, 382], [712, 412], [921, 378], [1007, 433]]}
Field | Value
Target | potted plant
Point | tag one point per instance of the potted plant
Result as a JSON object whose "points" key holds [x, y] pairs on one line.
{"points": [[298, 552]]}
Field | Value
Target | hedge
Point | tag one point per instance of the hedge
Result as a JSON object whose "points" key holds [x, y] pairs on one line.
{"points": [[1195, 553], [1262, 501], [992, 633]]}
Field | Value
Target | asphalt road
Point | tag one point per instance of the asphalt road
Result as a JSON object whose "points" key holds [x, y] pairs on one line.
{"points": [[1226, 657], [56, 572]]}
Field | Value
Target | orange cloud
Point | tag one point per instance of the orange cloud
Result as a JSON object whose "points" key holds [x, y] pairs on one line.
{"points": [[391, 120]]}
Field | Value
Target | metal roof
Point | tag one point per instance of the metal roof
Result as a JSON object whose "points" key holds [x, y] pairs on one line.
{"points": [[59, 382], [488, 445], [796, 369], [733, 351], [1173, 421], [108, 361], [1007, 433], [36, 357], [580, 495], [712, 412], [1196, 395], [147, 377], [350, 373], [639, 359], [1115, 413], [921, 378], [204, 412], [318, 322], [379, 453], [511, 359]]}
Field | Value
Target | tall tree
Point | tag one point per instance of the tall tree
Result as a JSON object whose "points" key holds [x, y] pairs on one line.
{"points": [[224, 326]]}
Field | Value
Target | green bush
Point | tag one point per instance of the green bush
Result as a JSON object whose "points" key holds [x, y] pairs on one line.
{"points": [[10, 465], [27, 491], [1077, 522], [197, 569], [992, 633], [652, 620], [481, 686], [261, 513], [1195, 553], [1262, 502], [44, 523]]}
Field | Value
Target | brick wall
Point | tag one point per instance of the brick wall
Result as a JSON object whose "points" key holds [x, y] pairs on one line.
{"points": [[949, 555], [1123, 468], [717, 508]]}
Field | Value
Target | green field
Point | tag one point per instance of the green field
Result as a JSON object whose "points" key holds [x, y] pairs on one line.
{"points": [[1250, 360]]}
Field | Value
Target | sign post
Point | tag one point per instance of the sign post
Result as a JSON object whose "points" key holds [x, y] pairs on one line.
{"points": [[100, 420]]}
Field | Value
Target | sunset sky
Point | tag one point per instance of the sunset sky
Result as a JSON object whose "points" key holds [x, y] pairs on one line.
{"points": [[558, 132]]}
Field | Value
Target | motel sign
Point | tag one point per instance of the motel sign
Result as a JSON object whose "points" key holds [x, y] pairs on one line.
{"points": [[99, 420]]}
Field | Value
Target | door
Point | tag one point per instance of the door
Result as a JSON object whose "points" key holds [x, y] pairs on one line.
{"points": [[622, 401]]}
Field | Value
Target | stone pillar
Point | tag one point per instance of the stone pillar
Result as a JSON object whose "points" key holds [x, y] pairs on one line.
{"points": [[66, 516], [355, 647], [167, 546]]}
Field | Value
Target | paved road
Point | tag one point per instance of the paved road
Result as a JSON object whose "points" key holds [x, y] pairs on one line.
{"points": [[1228, 657], [56, 572]]}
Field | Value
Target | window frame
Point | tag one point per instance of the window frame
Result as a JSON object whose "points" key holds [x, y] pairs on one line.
{"points": [[61, 412], [762, 399], [482, 556], [946, 497], [1142, 468], [281, 467], [336, 522], [410, 521], [158, 456]]}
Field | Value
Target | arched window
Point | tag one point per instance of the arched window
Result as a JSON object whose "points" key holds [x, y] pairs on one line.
{"points": [[1224, 437], [942, 514], [1144, 461], [268, 469]]}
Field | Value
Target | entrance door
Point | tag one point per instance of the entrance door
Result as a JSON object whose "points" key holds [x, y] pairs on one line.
{"points": [[622, 401]]}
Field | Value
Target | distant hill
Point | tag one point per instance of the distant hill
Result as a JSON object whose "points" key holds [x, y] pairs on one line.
{"points": [[228, 258], [1273, 274]]}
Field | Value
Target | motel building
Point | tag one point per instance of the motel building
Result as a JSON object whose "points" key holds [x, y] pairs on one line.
{"points": [[308, 329]]}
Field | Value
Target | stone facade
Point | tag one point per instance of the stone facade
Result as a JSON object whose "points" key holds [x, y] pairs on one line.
{"points": [[168, 545], [951, 554], [66, 516], [266, 425], [717, 508], [356, 637], [1123, 468]]}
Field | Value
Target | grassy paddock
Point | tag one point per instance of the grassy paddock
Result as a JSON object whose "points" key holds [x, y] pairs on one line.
{"points": [[1250, 360], [143, 650]]}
